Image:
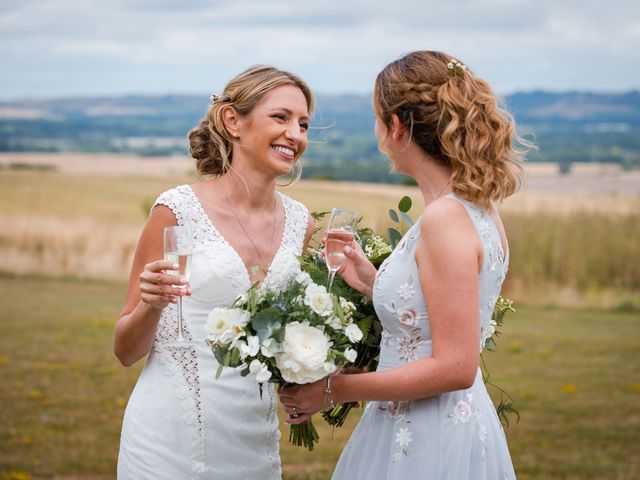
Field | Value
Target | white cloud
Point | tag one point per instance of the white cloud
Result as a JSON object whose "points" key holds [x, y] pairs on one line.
{"points": [[66, 47]]}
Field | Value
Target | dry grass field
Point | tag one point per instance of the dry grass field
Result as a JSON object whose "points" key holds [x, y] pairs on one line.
{"points": [[68, 227], [575, 244]]}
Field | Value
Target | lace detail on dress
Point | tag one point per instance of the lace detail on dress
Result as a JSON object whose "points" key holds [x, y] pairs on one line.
{"points": [[272, 441], [285, 264]]}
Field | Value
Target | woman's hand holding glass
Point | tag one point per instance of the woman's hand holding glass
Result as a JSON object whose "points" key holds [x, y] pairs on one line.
{"points": [[157, 288], [356, 268]]}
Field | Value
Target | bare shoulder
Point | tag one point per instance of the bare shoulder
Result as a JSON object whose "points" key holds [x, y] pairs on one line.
{"points": [[445, 214], [446, 226]]}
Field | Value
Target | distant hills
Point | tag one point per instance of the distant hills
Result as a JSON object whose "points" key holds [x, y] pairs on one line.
{"points": [[568, 127]]}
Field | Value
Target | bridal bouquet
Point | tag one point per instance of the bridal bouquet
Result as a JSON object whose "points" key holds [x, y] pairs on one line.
{"points": [[296, 335]]}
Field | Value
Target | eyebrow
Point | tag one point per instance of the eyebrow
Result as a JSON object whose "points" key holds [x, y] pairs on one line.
{"points": [[289, 112]]}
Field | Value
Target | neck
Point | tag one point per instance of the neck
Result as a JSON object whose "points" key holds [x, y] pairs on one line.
{"points": [[432, 177], [249, 189]]}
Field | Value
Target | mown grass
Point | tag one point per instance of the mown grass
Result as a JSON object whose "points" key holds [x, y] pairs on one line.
{"points": [[573, 373]]}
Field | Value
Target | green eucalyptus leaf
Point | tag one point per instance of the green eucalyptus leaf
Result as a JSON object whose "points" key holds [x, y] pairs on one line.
{"points": [[220, 355], [407, 219], [394, 237], [235, 357], [405, 204], [393, 215], [265, 321]]}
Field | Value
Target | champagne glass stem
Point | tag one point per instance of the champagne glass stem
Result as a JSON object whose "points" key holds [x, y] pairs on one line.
{"points": [[332, 274], [180, 324]]}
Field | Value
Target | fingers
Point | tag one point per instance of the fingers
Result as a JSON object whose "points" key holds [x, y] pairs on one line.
{"points": [[159, 288], [303, 417], [354, 252]]}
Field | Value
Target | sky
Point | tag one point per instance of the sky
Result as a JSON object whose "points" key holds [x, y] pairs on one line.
{"points": [[69, 48]]}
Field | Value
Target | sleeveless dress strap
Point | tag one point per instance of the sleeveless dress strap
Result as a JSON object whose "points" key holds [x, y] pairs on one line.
{"points": [[298, 219]]}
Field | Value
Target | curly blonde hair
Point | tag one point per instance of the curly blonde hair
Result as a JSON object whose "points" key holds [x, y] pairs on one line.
{"points": [[209, 143], [455, 118]]}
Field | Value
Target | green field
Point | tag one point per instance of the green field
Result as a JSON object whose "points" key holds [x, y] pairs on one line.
{"points": [[574, 375]]}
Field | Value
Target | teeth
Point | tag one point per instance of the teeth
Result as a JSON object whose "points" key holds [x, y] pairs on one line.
{"points": [[285, 150]]}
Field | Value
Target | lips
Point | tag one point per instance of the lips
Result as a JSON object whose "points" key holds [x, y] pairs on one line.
{"points": [[286, 151]]}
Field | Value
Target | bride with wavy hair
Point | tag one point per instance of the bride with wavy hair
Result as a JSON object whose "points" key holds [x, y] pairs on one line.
{"points": [[180, 422], [429, 414]]}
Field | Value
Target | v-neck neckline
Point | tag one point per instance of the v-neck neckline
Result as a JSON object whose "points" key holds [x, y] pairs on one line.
{"points": [[232, 248]]}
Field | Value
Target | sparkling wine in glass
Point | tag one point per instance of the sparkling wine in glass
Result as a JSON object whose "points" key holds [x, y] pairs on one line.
{"points": [[340, 232], [178, 245]]}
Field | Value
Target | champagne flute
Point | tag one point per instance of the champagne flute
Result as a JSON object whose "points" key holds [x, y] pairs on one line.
{"points": [[340, 233], [178, 245]]}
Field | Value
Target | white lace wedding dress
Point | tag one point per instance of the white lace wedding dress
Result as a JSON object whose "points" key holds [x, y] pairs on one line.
{"points": [[180, 422]]}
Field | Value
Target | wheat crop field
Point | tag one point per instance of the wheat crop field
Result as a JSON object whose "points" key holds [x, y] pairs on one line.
{"points": [[568, 356]]}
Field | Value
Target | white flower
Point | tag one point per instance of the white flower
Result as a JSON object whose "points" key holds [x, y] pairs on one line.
{"points": [[347, 307], [334, 322], [304, 278], [353, 332], [226, 325], [268, 348], [249, 348], [317, 298], [404, 437], [260, 370], [304, 354], [492, 326], [350, 354]]}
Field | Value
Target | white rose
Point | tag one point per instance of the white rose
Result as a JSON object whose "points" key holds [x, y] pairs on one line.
{"points": [[353, 332], [317, 298], [226, 325], [260, 370], [249, 348], [350, 354], [304, 278], [304, 354]]}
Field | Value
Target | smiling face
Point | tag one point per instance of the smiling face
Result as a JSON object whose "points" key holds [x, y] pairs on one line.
{"points": [[274, 135]]}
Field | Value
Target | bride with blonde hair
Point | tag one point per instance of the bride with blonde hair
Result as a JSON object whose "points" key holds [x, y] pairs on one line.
{"points": [[180, 422]]}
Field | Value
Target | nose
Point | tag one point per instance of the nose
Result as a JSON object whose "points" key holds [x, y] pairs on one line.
{"points": [[294, 133]]}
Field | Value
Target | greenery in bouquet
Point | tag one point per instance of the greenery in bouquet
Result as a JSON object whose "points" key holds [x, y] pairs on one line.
{"points": [[296, 335]]}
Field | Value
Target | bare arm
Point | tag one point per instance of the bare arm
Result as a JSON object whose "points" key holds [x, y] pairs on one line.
{"points": [[448, 255], [149, 291]]}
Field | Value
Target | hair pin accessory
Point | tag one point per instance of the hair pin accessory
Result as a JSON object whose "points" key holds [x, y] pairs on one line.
{"points": [[456, 67], [214, 98]]}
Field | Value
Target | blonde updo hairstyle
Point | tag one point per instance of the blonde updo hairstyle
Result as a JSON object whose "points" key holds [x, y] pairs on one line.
{"points": [[210, 144], [456, 119]]}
